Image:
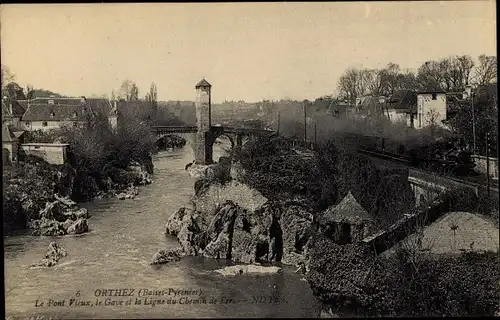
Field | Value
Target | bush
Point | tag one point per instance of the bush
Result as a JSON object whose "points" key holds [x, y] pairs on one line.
{"points": [[353, 281]]}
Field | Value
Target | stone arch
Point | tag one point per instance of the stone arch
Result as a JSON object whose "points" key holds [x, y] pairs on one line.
{"points": [[175, 141]]}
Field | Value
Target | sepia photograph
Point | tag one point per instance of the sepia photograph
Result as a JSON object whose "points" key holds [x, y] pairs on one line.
{"points": [[250, 160]]}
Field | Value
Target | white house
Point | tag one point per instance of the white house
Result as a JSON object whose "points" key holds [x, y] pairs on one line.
{"points": [[431, 108]]}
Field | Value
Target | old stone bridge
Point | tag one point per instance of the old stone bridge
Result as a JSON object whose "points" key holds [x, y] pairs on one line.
{"points": [[204, 133]]}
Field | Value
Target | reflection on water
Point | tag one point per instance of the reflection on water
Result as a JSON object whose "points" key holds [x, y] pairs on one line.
{"points": [[116, 253]]}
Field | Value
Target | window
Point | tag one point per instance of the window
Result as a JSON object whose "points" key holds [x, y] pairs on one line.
{"points": [[52, 114], [74, 115], [27, 123], [75, 124], [44, 124], [434, 96]]}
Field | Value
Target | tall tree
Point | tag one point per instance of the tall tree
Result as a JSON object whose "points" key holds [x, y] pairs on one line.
{"points": [[7, 77], [128, 91], [430, 75], [486, 70]]}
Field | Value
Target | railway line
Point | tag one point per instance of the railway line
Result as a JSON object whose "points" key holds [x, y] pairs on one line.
{"points": [[478, 182]]}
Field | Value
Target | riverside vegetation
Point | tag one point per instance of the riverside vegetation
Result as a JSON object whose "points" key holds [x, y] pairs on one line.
{"points": [[101, 162], [265, 206]]}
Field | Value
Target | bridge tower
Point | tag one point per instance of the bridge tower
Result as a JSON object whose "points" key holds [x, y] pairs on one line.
{"points": [[203, 105], [204, 137]]}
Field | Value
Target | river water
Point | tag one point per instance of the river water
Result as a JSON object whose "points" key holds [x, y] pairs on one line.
{"points": [[115, 254]]}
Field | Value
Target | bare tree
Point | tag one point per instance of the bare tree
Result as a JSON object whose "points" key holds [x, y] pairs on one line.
{"points": [[348, 83], [128, 91], [486, 70], [7, 77], [431, 75]]}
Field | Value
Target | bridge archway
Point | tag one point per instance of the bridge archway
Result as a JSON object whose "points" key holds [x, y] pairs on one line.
{"points": [[167, 141]]}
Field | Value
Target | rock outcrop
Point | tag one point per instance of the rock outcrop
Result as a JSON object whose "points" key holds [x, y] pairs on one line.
{"points": [[128, 193], [199, 171], [139, 174], [52, 256], [60, 217], [166, 256], [269, 233]]}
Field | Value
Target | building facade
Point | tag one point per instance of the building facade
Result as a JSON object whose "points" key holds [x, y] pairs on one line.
{"points": [[431, 109]]}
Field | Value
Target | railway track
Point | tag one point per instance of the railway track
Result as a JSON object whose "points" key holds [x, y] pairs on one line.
{"points": [[467, 181]]}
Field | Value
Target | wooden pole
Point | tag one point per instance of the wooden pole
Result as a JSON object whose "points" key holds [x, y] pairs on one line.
{"points": [[473, 123], [305, 125], [315, 134], [488, 163], [279, 116]]}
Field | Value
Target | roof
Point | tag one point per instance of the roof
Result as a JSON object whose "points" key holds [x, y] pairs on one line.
{"points": [[17, 134], [371, 103], [403, 100], [348, 209], [99, 105], [56, 112], [7, 134], [64, 108], [431, 91], [19, 107], [203, 83], [64, 101], [5, 110], [33, 144]]}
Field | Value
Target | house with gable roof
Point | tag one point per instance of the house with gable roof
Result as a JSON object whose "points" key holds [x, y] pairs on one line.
{"points": [[52, 113], [12, 112], [11, 139]]}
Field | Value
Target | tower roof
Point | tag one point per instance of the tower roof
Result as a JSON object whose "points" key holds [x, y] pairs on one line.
{"points": [[203, 83], [348, 209]]}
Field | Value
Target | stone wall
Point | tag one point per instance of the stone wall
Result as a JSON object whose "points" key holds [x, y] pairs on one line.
{"points": [[54, 153], [384, 240]]}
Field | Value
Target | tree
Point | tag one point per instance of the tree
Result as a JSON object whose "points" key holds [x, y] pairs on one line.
{"points": [[128, 91], [13, 91], [485, 116], [389, 78], [30, 91], [7, 75], [348, 84], [431, 75], [113, 95], [486, 70]]}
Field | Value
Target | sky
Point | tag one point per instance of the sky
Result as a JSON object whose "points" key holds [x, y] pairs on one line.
{"points": [[247, 51]]}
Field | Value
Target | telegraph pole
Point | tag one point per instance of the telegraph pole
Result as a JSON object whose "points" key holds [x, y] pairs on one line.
{"points": [[488, 163], [305, 125], [473, 122], [315, 135], [279, 113]]}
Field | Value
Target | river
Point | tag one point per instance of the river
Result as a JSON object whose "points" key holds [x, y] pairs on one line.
{"points": [[115, 254]]}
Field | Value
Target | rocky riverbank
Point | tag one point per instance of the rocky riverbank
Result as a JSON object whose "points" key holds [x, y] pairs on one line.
{"points": [[39, 195], [230, 220]]}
